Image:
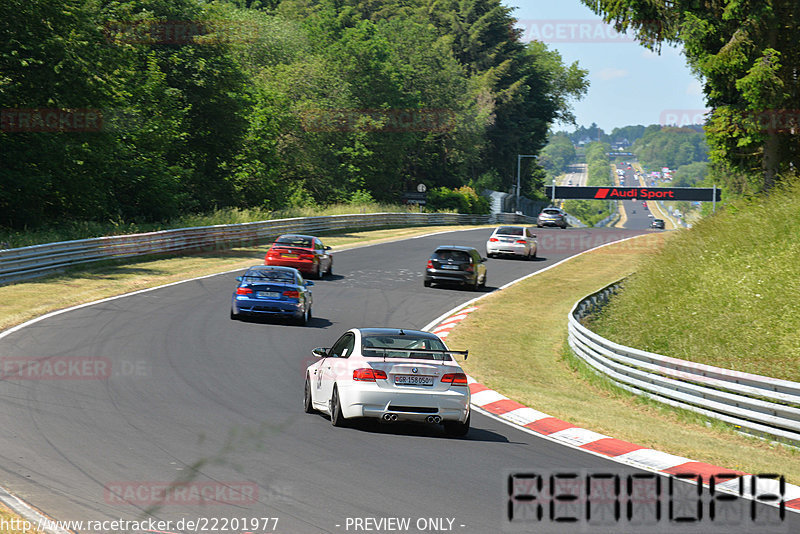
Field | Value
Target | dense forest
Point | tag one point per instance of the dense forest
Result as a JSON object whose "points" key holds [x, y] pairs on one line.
{"points": [[670, 147], [148, 109]]}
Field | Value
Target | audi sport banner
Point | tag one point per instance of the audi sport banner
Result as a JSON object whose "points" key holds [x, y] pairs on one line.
{"points": [[636, 193]]}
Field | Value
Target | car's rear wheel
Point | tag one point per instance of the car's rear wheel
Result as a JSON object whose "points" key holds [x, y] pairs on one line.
{"points": [[329, 272], [476, 284], [308, 406], [234, 315], [337, 419], [426, 283], [320, 272], [303, 320], [457, 429]]}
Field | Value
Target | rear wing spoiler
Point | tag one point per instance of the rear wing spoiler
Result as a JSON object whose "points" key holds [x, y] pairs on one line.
{"points": [[432, 352]]}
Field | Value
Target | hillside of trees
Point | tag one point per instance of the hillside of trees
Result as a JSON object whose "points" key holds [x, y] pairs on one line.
{"points": [[148, 109], [671, 147], [747, 56]]}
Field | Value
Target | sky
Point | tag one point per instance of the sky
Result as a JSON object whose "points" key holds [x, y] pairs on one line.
{"points": [[628, 83]]}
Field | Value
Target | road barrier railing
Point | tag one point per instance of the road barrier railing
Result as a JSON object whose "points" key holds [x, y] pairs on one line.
{"points": [[39, 260], [754, 404]]}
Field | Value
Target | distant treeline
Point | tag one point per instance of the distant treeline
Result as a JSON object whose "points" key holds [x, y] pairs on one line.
{"points": [[144, 110]]}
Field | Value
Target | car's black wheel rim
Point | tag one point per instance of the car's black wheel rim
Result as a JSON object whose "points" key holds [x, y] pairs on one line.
{"points": [[336, 410], [308, 406]]}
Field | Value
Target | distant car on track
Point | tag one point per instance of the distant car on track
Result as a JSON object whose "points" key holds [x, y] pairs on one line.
{"points": [[389, 375], [451, 264], [512, 241], [657, 223], [552, 217], [272, 291], [305, 253]]}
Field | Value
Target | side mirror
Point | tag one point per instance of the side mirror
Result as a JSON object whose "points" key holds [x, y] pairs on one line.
{"points": [[327, 247], [319, 352], [534, 236], [308, 283], [239, 278], [483, 260]]}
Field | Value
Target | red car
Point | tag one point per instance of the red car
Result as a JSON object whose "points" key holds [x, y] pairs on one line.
{"points": [[305, 253]]}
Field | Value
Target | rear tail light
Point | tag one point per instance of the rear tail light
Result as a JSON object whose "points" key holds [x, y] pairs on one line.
{"points": [[520, 241], [368, 375], [493, 239], [430, 264], [244, 291], [309, 257], [458, 379], [291, 294], [469, 268]]}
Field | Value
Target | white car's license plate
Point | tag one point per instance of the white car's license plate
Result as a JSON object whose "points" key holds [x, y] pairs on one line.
{"points": [[413, 380], [268, 294], [450, 267]]}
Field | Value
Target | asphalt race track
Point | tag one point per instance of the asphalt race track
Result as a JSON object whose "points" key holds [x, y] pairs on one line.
{"points": [[195, 397]]}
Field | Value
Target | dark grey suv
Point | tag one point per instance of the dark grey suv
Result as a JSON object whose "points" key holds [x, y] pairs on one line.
{"points": [[456, 265]]}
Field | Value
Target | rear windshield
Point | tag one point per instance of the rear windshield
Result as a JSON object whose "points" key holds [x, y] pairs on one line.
{"points": [[294, 240], [455, 255], [552, 212], [369, 343], [270, 276], [509, 230]]}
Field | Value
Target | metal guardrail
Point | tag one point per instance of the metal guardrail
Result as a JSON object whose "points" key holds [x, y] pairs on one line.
{"points": [[755, 404], [39, 260]]}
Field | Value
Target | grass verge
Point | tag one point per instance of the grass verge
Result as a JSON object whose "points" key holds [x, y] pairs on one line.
{"points": [[23, 301], [533, 367], [723, 294], [88, 229]]}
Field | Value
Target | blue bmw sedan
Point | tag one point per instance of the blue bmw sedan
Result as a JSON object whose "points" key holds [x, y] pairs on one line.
{"points": [[267, 290]]}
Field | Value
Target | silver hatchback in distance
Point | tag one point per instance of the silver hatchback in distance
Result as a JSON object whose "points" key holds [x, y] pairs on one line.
{"points": [[512, 241], [552, 217]]}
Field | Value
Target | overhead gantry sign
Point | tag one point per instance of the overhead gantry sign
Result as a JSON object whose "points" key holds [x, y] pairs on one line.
{"points": [[702, 194]]}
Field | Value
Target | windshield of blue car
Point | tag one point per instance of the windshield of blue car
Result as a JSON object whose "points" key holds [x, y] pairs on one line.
{"points": [[369, 344], [269, 276]]}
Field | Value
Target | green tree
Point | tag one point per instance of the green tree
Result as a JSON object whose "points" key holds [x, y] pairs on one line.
{"points": [[747, 55]]}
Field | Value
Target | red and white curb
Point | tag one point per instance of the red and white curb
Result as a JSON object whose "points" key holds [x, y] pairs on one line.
{"points": [[443, 328], [505, 409]]}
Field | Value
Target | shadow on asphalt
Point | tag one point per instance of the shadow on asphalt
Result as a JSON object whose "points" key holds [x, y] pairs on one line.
{"points": [[418, 430]]}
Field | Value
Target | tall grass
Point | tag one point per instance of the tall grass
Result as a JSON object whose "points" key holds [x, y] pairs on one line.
{"points": [[724, 293], [88, 229]]}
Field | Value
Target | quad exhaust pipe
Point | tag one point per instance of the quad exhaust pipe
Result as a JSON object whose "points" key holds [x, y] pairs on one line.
{"points": [[433, 419], [390, 417]]}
